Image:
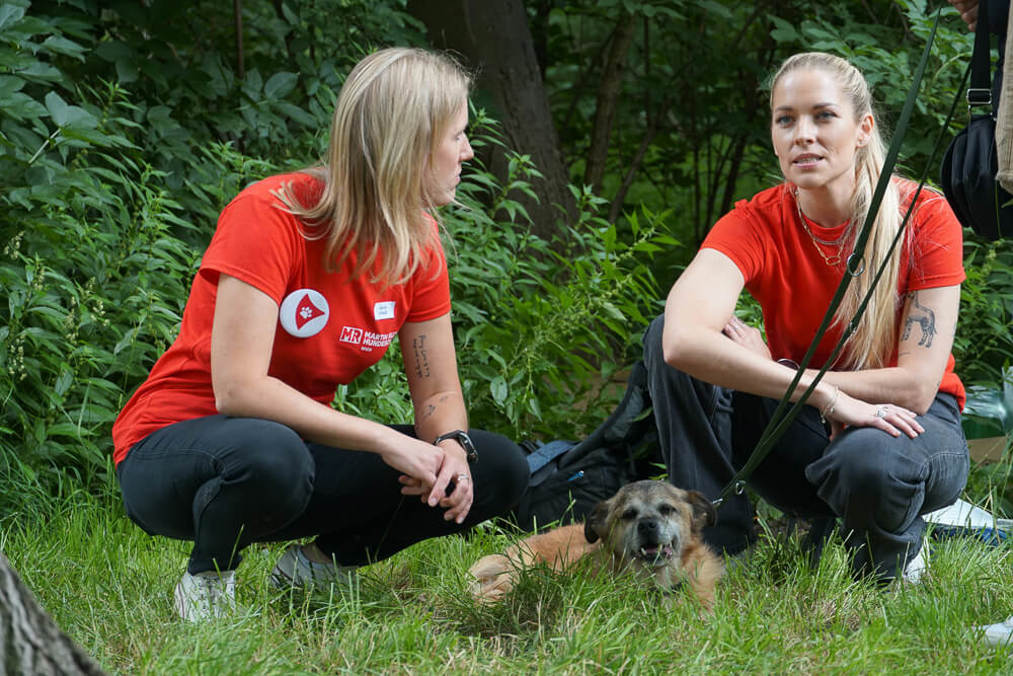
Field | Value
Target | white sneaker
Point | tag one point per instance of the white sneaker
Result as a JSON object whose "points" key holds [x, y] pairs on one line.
{"points": [[206, 595], [1000, 633], [294, 570], [918, 566]]}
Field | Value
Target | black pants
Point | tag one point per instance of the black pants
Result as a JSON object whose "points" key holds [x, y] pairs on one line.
{"points": [[876, 484], [226, 482]]}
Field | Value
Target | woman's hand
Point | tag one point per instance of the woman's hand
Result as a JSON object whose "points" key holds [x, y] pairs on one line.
{"points": [[850, 412], [452, 489], [417, 461], [746, 336]]}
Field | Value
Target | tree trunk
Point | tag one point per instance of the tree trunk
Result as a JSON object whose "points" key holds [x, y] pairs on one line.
{"points": [[494, 38], [33, 644], [605, 106]]}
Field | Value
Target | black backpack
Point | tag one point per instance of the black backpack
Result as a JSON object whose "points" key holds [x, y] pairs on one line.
{"points": [[569, 478]]}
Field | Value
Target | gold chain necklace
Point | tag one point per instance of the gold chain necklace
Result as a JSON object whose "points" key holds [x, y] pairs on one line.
{"points": [[832, 261]]}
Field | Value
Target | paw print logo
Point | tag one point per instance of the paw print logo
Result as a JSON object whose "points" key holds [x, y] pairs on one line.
{"points": [[304, 313]]}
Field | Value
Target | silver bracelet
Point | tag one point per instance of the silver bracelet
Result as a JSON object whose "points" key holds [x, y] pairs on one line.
{"points": [[828, 410]]}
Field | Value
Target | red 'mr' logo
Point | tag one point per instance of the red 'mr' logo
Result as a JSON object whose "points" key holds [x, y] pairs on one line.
{"points": [[351, 334]]}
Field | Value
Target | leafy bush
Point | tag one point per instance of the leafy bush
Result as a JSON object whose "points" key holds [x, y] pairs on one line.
{"points": [[112, 194], [984, 341]]}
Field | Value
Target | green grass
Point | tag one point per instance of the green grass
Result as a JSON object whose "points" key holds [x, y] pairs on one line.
{"points": [[109, 586]]}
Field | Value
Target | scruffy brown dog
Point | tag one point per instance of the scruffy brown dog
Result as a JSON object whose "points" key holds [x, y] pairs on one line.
{"points": [[649, 527]]}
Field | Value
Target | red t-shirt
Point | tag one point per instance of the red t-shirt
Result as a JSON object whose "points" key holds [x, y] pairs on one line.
{"points": [[794, 285], [331, 326]]}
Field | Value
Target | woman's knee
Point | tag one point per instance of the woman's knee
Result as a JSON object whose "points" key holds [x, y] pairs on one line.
{"points": [[271, 461], [871, 482], [858, 463]]}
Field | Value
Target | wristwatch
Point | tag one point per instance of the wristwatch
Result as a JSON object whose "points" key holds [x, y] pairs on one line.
{"points": [[462, 438]]}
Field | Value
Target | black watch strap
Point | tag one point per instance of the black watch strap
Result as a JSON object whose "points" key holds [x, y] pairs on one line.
{"points": [[461, 437]]}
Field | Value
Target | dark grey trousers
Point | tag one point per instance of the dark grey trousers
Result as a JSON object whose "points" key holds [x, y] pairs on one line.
{"points": [[876, 485], [226, 482]]}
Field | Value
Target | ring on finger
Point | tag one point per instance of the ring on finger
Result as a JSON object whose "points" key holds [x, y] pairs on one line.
{"points": [[462, 477], [881, 411]]}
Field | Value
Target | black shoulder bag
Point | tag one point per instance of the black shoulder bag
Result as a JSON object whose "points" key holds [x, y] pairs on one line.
{"points": [[970, 166]]}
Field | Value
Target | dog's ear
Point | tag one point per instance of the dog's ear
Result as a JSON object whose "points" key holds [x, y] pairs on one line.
{"points": [[597, 521], [704, 513]]}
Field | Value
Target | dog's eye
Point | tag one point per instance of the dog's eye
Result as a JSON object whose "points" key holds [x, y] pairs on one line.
{"points": [[629, 514], [666, 510]]}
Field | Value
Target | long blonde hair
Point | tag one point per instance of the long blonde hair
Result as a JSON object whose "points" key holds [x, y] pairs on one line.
{"points": [[390, 114], [875, 336]]}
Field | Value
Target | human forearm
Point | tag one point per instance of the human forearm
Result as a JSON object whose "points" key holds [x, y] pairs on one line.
{"points": [[887, 385], [269, 398], [702, 337], [440, 413], [715, 358]]}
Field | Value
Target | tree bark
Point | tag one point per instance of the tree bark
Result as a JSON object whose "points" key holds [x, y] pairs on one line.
{"points": [[605, 106], [33, 644], [494, 38]]}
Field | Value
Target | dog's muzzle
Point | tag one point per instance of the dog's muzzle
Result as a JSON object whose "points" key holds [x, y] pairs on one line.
{"points": [[652, 549]]}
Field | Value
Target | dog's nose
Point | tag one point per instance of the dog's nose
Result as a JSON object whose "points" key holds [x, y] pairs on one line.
{"points": [[647, 527]]}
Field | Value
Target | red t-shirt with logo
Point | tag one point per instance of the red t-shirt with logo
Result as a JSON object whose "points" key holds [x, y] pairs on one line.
{"points": [[794, 285], [331, 325]]}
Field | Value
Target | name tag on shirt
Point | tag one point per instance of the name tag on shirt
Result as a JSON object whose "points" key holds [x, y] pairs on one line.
{"points": [[383, 310]]}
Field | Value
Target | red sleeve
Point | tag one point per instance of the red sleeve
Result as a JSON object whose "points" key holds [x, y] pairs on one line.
{"points": [[256, 241], [738, 237], [431, 284], [937, 246]]}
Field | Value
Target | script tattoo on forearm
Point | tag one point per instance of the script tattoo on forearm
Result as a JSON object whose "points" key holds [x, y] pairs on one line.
{"points": [[924, 317], [421, 360]]}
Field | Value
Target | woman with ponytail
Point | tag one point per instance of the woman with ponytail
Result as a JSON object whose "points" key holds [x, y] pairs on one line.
{"points": [[880, 442]]}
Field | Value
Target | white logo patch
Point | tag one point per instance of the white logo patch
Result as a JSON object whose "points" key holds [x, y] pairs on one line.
{"points": [[304, 313], [383, 310]]}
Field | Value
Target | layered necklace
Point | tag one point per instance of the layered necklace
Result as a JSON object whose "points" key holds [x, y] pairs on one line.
{"points": [[834, 260]]}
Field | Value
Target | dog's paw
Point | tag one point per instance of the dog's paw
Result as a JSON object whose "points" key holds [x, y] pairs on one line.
{"points": [[493, 577]]}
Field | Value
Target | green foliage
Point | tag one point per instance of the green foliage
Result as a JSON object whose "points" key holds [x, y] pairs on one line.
{"points": [[125, 128], [538, 327], [119, 137], [984, 343], [112, 191]]}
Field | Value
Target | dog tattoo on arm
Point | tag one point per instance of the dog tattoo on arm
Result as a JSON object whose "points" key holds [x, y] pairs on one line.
{"points": [[924, 317]]}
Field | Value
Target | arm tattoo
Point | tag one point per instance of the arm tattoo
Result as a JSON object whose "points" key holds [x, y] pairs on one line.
{"points": [[924, 317], [431, 408], [421, 360]]}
